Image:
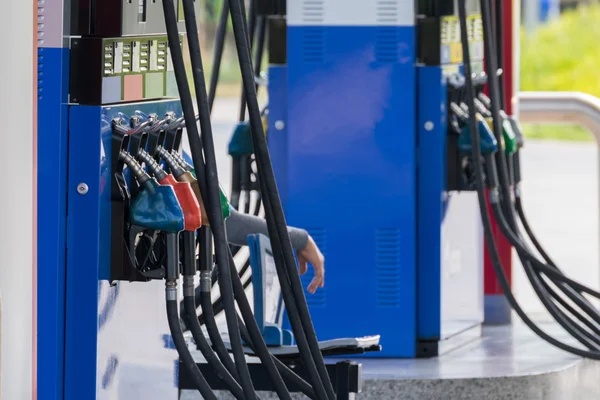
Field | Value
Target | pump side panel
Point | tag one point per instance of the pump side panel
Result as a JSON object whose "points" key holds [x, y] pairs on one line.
{"points": [[351, 175], [117, 343], [432, 176]]}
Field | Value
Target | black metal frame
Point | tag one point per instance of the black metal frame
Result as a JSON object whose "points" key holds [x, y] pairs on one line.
{"points": [[346, 377]]}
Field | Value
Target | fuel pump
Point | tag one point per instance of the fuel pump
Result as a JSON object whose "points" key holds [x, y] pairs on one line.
{"points": [[563, 298]]}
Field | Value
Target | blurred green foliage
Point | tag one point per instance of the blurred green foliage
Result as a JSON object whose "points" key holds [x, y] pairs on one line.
{"points": [[563, 55]]}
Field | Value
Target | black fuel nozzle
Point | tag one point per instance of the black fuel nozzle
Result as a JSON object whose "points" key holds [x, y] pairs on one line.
{"points": [[182, 163], [479, 80], [153, 166], [136, 169], [482, 109], [171, 161], [460, 112]]}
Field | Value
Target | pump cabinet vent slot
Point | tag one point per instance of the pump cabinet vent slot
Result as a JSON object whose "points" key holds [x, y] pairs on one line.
{"points": [[313, 45], [313, 11], [387, 47], [388, 11], [388, 266]]}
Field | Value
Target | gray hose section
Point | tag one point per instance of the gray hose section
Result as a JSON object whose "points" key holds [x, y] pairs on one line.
{"points": [[240, 225]]}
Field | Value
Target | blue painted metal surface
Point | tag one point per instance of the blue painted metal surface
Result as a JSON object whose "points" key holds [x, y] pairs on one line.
{"points": [[114, 335], [450, 253], [431, 137], [350, 174], [278, 138], [52, 218], [268, 300]]}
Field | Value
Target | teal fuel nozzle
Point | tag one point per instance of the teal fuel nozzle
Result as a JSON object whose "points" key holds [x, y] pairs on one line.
{"points": [[156, 207], [241, 141], [487, 141]]}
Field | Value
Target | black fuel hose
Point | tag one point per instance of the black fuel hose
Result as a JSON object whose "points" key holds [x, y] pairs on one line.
{"points": [[255, 339], [218, 54], [496, 98], [532, 237], [189, 272], [214, 334], [499, 40], [184, 353], [570, 326], [292, 289], [213, 204], [211, 184], [250, 26], [525, 223], [508, 225], [479, 175], [185, 357], [217, 224]]}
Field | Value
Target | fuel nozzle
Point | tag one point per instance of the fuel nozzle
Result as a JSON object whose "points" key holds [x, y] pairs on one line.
{"points": [[241, 141], [511, 141], [183, 191], [488, 143], [182, 163], [186, 173], [156, 207], [182, 175]]}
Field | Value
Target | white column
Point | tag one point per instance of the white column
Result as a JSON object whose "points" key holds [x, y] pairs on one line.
{"points": [[17, 171]]}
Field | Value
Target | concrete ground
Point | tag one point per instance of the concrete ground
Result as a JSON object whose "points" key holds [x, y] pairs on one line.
{"points": [[560, 195]]}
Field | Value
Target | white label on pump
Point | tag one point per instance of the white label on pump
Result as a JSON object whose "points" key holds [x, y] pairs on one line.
{"points": [[118, 63], [153, 55], [135, 51], [358, 13], [169, 60]]}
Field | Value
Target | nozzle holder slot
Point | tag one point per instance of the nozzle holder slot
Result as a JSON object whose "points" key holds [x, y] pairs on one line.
{"points": [[122, 261], [173, 139], [136, 254], [155, 138], [460, 169]]}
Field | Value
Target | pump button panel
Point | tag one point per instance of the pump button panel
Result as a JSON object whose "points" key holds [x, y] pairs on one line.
{"points": [[440, 44], [115, 70]]}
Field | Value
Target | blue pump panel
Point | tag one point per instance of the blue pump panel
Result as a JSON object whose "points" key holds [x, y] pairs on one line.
{"points": [[52, 217], [450, 236], [114, 334], [346, 166], [268, 300]]}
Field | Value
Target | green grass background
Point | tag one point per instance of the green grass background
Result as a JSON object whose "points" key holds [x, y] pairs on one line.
{"points": [[563, 55]]}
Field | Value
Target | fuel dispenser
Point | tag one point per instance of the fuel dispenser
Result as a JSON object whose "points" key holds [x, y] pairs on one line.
{"points": [[136, 217], [401, 235]]}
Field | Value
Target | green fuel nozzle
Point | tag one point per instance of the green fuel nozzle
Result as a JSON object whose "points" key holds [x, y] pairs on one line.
{"points": [[156, 207]]}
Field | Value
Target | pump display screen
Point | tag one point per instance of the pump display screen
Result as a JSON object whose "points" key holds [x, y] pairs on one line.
{"points": [[272, 291]]}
